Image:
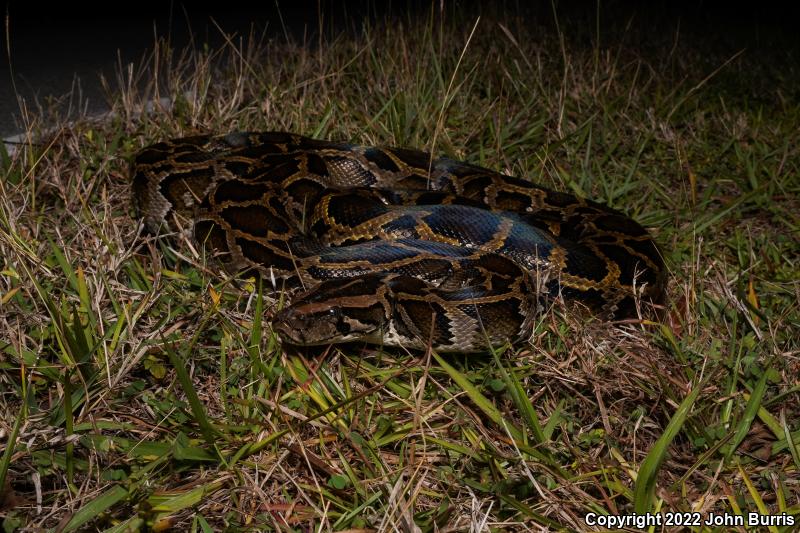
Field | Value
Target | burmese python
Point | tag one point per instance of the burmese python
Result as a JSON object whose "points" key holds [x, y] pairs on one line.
{"points": [[391, 245]]}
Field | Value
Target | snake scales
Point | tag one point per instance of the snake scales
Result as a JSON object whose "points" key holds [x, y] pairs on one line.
{"points": [[391, 245]]}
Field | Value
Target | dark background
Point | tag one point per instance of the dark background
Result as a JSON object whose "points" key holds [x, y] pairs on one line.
{"points": [[51, 50]]}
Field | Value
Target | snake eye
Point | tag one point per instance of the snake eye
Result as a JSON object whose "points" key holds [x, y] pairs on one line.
{"points": [[338, 320]]}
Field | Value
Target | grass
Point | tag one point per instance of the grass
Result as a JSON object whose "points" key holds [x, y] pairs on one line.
{"points": [[142, 389]]}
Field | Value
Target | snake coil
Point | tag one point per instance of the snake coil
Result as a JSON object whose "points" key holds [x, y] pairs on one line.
{"points": [[392, 245]]}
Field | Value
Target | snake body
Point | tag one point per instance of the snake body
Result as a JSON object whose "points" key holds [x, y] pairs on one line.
{"points": [[391, 245]]}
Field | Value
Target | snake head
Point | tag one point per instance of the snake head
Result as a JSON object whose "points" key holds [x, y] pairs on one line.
{"points": [[338, 310]]}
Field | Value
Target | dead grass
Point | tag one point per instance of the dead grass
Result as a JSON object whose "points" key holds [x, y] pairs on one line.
{"points": [[141, 389]]}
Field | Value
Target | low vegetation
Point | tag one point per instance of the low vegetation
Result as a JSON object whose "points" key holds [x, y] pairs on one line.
{"points": [[141, 386]]}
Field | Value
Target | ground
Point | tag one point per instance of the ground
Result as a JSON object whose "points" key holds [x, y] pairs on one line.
{"points": [[141, 387]]}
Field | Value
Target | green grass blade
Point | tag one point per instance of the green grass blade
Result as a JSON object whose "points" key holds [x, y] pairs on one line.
{"points": [[257, 331], [173, 502], [750, 412], [199, 412], [791, 443], [552, 422], [130, 525], [96, 507], [759, 501], [11, 443], [476, 396], [646, 478], [521, 400]]}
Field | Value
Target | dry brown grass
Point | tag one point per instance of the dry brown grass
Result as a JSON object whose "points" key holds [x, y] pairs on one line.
{"points": [[107, 335]]}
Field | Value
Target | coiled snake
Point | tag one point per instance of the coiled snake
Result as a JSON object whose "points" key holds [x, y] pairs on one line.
{"points": [[391, 245]]}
